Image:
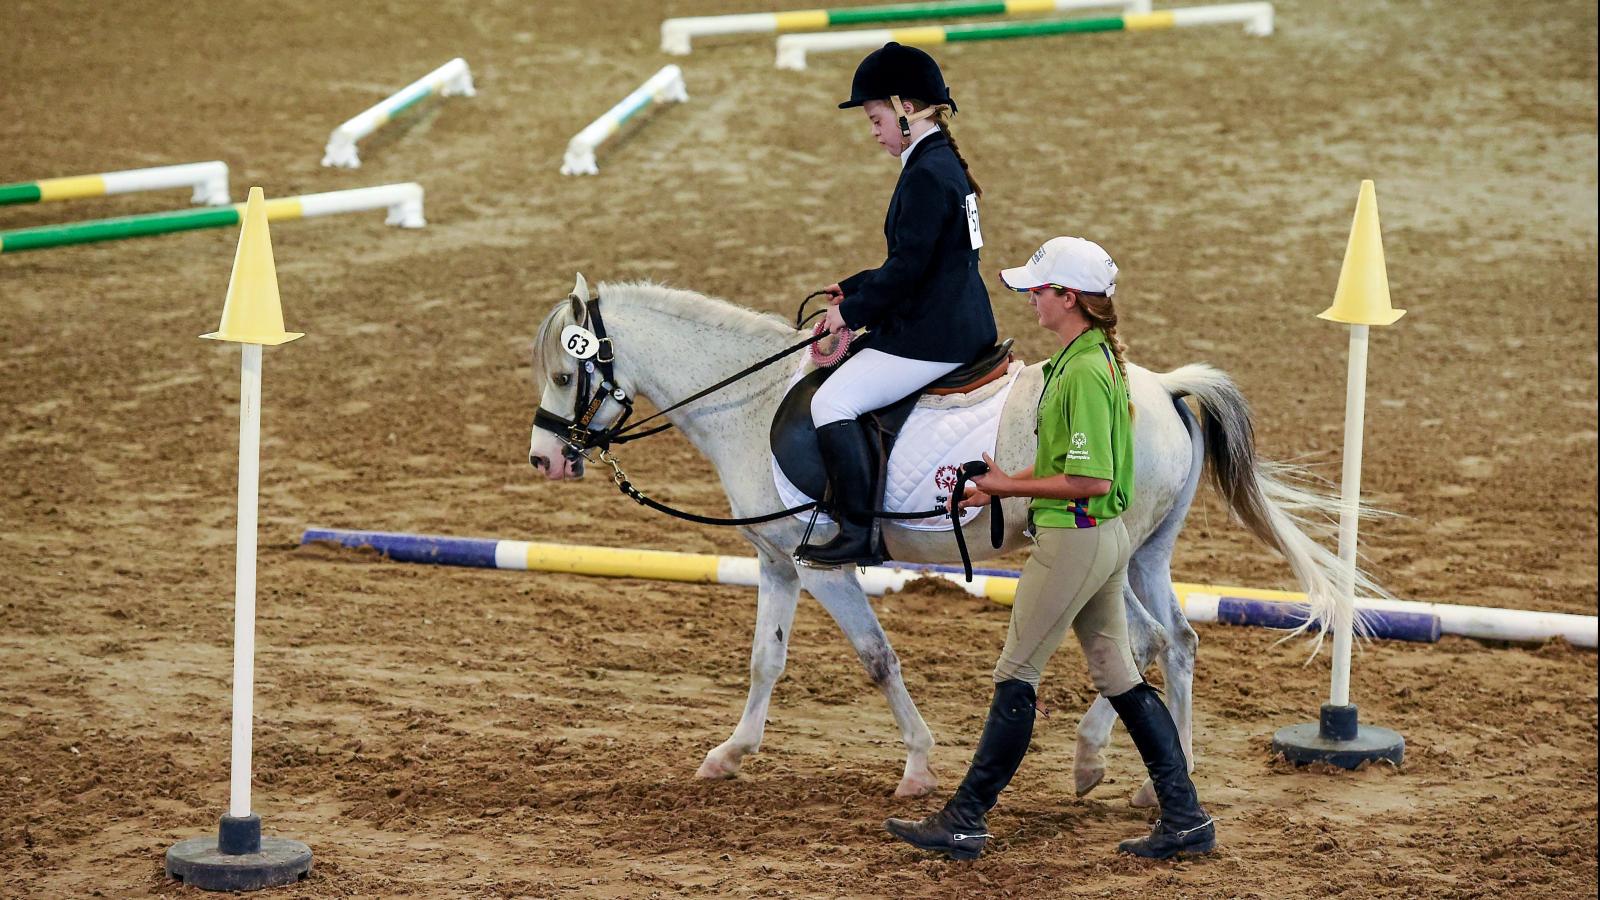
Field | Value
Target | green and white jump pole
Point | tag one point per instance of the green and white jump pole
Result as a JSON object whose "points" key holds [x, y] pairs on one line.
{"points": [[677, 34], [403, 203], [1257, 19], [449, 80], [665, 86], [209, 180]]}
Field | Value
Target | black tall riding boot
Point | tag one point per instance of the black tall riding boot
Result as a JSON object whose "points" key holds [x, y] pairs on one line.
{"points": [[959, 830], [1184, 828], [852, 495]]}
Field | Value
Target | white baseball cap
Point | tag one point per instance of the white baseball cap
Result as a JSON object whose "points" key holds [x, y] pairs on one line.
{"points": [[1070, 262]]}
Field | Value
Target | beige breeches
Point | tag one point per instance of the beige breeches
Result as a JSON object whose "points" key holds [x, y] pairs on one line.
{"points": [[1075, 578]]}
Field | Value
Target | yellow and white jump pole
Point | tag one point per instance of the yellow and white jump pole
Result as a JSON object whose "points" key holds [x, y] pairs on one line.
{"points": [[1256, 17], [1360, 301], [677, 34], [209, 181], [239, 858]]}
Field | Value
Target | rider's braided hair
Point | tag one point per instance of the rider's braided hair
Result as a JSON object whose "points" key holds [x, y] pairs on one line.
{"points": [[941, 117]]}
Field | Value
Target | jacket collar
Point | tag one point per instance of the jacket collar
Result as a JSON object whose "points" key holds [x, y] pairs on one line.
{"points": [[905, 157], [920, 149]]}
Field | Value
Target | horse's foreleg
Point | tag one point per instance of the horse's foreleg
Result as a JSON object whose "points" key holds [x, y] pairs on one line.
{"points": [[1146, 638], [776, 598], [840, 594]]}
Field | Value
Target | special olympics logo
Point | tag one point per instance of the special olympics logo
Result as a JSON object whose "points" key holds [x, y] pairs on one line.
{"points": [[945, 477]]}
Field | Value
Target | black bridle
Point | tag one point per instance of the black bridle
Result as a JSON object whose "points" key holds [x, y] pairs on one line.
{"points": [[579, 435], [597, 382]]}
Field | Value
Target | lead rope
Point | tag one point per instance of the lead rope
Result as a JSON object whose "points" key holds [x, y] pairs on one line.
{"points": [[952, 509]]}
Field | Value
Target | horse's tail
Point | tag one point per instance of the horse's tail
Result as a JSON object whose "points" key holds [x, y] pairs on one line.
{"points": [[1271, 499]]}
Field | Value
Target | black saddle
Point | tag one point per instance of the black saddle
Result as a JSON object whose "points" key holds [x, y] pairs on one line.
{"points": [[794, 439]]}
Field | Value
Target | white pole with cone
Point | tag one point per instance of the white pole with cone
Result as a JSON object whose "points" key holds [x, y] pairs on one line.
{"points": [[1360, 301], [239, 858], [244, 582]]}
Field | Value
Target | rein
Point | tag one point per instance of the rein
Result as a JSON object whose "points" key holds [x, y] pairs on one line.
{"points": [[579, 437]]}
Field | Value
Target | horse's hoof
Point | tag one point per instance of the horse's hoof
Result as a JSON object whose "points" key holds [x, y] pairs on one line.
{"points": [[716, 768], [1145, 798], [1087, 779], [917, 785]]}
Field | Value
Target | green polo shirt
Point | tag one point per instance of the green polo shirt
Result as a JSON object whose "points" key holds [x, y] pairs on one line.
{"points": [[1085, 428]]}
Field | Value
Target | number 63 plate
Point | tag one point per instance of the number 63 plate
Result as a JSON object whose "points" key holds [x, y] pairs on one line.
{"points": [[579, 342]]}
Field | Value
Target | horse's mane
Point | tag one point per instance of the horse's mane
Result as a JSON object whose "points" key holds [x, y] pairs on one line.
{"points": [[688, 305], [697, 307]]}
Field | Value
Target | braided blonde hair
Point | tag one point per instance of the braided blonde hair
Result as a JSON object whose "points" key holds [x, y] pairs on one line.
{"points": [[941, 118], [1102, 314]]}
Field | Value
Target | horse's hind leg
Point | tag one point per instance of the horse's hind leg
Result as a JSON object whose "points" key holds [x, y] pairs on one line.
{"points": [[1146, 638], [1153, 581], [776, 598], [840, 594]]}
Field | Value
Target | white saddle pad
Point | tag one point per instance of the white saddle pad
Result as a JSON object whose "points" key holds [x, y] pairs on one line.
{"points": [[942, 432]]}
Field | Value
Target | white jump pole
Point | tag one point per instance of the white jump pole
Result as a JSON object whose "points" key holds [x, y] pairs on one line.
{"points": [[452, 79], [665, 86], [1361, 300]]}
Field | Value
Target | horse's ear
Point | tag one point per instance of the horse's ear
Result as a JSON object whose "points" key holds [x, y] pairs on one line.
{"points": [[578, 297]]}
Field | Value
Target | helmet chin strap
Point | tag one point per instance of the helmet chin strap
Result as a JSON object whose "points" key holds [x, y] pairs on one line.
{"points": [[906, 120]]}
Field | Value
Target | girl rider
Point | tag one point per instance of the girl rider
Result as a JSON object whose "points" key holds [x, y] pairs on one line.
{"points": [[1081, 481], [926, 306]]}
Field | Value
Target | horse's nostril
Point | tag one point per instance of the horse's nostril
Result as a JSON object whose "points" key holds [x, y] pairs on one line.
{"points": [[538, 462]]}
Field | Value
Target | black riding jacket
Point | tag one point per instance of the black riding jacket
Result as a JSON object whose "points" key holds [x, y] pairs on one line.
{"points": [[927, 301]]}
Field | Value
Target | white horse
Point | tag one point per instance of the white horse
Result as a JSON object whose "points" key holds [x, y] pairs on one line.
{"points": [[668, 343]]}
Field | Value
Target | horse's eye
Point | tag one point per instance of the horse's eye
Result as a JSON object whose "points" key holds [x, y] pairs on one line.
{"points": [[563, 379]]}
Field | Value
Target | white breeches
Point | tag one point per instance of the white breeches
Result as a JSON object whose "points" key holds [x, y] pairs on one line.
{"points": [[872, 380]]}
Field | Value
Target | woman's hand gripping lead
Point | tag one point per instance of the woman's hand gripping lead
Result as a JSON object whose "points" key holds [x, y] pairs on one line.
{"points": [[993, 483]]}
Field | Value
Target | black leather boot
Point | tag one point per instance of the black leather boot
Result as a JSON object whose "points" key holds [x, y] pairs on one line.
{"points": [[1184, 829], [959, 830], [853, 496]]}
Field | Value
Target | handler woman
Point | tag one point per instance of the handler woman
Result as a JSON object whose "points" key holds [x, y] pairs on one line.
{"points": [[1081, 481], [926, 307]]}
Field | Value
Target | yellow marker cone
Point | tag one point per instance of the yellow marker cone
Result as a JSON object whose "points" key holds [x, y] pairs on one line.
{"points": [[253, 314], [1362, 297]]}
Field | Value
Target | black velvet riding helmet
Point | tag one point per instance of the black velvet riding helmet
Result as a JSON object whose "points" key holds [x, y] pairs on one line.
{"points": [[895, 70]]}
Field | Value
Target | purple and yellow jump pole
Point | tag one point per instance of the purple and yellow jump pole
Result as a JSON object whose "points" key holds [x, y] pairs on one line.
{"points": [[1392, 619], [1257, 19], [238, 858], [403, 203], [208, 181], [678, 34]]}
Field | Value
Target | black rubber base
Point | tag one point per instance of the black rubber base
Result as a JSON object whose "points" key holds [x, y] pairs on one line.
{"points": [[238, 858], [1339, 740]]}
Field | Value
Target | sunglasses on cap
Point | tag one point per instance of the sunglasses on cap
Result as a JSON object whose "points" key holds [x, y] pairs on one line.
{"points": [[1062, 287]]}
